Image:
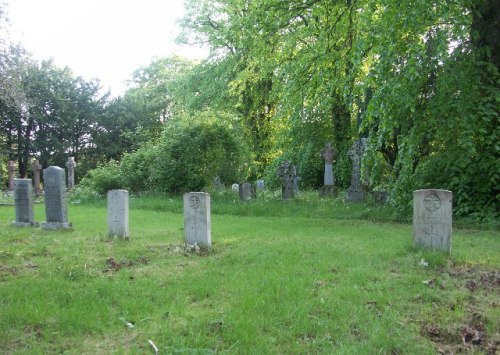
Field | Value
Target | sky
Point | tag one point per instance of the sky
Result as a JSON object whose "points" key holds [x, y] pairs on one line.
{"points": [[104, 39]]}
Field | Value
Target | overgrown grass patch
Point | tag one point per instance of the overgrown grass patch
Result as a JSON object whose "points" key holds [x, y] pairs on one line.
{"points": [[298, 277]]}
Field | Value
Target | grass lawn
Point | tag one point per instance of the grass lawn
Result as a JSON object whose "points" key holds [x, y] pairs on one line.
{"points": [[307, 276]]}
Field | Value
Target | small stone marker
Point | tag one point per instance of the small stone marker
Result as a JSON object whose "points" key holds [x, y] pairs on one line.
{"points": [[23, 196], [118, 213], [296, 182], [197, 220], [71, 164], [235, 187], [432, 219], [260, 184], [11, 167], [287, 174], [247, 192], [329, 177], [218, 183], [36, 176], [56, 210], [355, 192]]}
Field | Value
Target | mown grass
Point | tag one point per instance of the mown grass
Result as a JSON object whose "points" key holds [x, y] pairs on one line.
{"points": [[305, 276]]}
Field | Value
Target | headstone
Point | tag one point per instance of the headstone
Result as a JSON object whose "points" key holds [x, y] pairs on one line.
{"points": [[36, 176], [260, 184], [329, 177], [365, 179], [286, 174], [118, 213], [71, 164], [247, 191], [56, 210], [355, 192], [197, 221], [235, 187], [218, 183], [296, 183], [23, 197], [11, 167], [432, 219]]}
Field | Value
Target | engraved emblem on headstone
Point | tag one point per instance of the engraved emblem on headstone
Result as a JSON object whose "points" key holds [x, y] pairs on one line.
{"points": [[194, 202], [432, 203]]}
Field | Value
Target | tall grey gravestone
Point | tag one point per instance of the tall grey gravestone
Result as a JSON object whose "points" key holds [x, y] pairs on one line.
{"points": [[197, 220], [260, 184], [432, 219], [23, 196], [247, 192], [118, 213], [36, 176], [355, 191], [328, 188], [71, 164], [56, 209], [11, 167], [287, 174]]}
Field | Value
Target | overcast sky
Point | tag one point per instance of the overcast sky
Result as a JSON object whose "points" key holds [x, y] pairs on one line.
{"points": [[104, 39]]}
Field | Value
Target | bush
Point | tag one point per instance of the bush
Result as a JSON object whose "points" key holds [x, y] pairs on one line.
{"points": [[136, 168], [103, 178]]}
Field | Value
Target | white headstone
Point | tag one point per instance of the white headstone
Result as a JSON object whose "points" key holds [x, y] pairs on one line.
{"points": [[118, 213], [56, 210], [197, 221], [235, 187], [260, 184], [23, 196], [432, 219]]}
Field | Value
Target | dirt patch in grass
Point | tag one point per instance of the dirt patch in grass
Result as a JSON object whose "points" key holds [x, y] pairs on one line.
{"points": [[113, 265], [470, 335]]}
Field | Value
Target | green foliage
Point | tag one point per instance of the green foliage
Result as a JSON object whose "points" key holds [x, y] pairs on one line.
{"points": [[136, 168], [102, 179]]}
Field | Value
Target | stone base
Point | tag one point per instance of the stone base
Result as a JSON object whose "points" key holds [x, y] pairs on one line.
{"points": [[328, 191], [355, 195], [26, 224], [57, 226]]}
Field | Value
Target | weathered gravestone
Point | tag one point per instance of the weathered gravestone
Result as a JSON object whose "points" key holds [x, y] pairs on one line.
{"points": [[118, 213], [11, 167], [247, 191], [71, 164], [432, 219], [260, 184], [296, 183], [197, 220], [328, 188], [235, 187], [36, 176], [56, 209], [286, 174], [218, 183], [355, 191], [23, 197]]}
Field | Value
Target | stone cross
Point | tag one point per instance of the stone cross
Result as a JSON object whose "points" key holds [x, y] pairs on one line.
{"points": [[71, 164], [328, 153], [197, 219], [287, 174], [247, 192], [11, 166], [355, 192], [118, 213], [56, 209], [23, 197], [36, 176], [432, 219]]}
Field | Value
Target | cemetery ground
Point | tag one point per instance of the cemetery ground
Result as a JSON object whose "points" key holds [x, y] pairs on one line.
{"points": [[306, 276]]}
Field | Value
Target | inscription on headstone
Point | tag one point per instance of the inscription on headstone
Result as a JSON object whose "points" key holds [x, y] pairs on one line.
{"points": [[197, 220], [56, 210], [247, 192], [71, 164], [287, 174], [36, 176], [23, 195], [11, 167], [432, 219], [355, 192], [118, 224]]}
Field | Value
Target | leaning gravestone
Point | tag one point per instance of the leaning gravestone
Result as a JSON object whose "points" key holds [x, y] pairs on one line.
{"points": [[23, 197], [71, 164], [432, 218], [286, 174], [355, 191], [197, 220], [11, 167], [247, 191], [56, 210], [118, 213]]}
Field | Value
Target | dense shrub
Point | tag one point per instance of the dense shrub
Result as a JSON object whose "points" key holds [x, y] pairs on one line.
{"points": [[103, 178]]}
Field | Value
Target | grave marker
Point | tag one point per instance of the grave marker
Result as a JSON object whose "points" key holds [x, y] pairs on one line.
{"points": [[56, 210], [36, 176], [287, 174], [355, 192], [118, 221], [71, 164], [11, 167], [247, 192], [23, 197], [197, 220], [432, 219]]}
